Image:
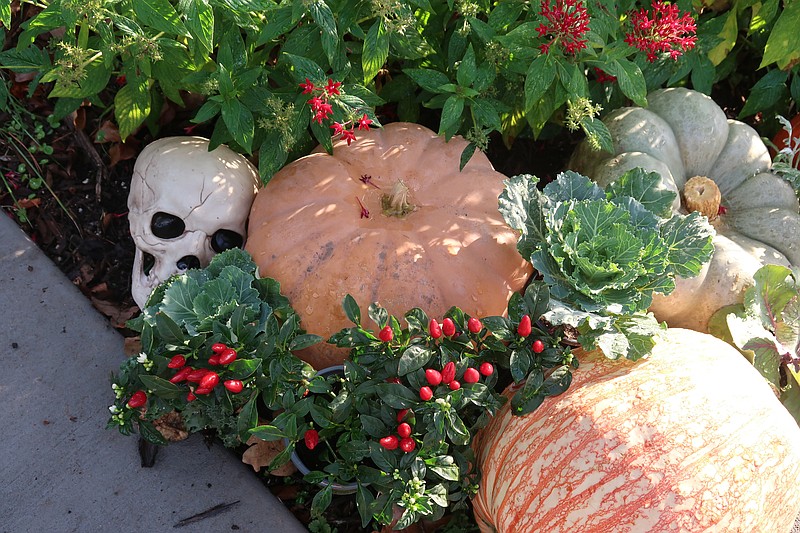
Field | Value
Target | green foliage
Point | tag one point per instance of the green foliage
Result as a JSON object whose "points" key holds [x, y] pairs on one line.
{"points": [[766, 329], [483, 67], [604, 253], [379, 387], [186, 315]]}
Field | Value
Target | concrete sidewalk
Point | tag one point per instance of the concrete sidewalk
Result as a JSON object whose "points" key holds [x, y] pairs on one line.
{"points": [[62, 471]]}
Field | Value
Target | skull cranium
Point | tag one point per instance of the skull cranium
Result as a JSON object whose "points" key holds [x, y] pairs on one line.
{"points": [[185, 205]]}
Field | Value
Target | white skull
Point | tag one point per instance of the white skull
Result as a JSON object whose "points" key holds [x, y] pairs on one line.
{"points": [[185, 205]]}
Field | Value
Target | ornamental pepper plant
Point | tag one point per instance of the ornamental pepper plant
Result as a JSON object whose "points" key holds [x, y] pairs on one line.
{"points": [[213, 340], [399, 418]]}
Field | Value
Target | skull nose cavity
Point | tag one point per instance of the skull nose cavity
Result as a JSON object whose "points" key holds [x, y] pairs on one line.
{"points": [[166, 226], [225, 239], [148, 262], [188, 261]]}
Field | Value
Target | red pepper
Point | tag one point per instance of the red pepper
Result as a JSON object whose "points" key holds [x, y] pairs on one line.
{"points": [[386, 334], [425, 393], [524, 328], [433, 376], [401, 414], [454, 385], [471, 375], [181, 374], [474, 325], [213, 360], [177, 361], [434, 329], [218, 347], [390, 442], [448, 327], [227, 356], [196, 375], [537, 346], [449, 372], [404, 429], [138, 399], [209, 381], [190, 397], [487, 369], [407, 444], [311, 438], [234, 385], [202, 390]]}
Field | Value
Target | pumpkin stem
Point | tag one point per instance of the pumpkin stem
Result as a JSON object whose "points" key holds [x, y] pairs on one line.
{"points": [[702, 195], [398, 202]]}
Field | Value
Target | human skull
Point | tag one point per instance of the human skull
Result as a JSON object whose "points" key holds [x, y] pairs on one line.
{"points": [[185, 205]]}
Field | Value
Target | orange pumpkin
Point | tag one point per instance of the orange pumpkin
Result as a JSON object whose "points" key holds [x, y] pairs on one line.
{"points": [[689, 439], [389, 219]]}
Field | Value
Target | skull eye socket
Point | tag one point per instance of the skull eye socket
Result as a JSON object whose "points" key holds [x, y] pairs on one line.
{"points": [[166, 226], [188, 261], [148, 262], [226, 239]]}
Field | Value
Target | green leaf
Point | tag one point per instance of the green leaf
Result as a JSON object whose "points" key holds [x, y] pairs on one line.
{"points": [[539, 78], [689, 238], [451, 116], [247, 418], [305, 68], [520, 363], [131, 106], [521, 205], [149, 433], [648, 189], [160, 15], [766, 93], [444, 467], [413, 358], [267, 432], [244, 368], [396, 395], [782, 47], [428, 79], [168, 329], [466, 155], [774, 287], [570, 185], [352, 310], [161, 387], [200, 23], [5, 13], [304, 341], [596, 129], [630, 79], [239, 120], [375, 50], [467, 70]]}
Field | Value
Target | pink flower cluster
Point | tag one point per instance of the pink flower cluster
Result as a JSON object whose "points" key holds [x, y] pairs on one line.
{"points": [[667, 31], [322, 109], [567, 22]]}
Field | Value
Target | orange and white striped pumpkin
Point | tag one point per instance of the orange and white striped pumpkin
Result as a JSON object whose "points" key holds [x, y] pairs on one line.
{"points": [[690, 439]]}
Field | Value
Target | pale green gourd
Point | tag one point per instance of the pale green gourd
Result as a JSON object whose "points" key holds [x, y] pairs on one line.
{"points": [[682, 134]]}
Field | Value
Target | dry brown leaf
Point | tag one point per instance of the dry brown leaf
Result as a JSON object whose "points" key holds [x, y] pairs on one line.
{"points": [[171, 427], [262, 452], [108, 132], [122, 152], [132, 346], [115, 312]]}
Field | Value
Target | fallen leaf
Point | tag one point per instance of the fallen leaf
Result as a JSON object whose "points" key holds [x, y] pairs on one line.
{"points": [[108, 132], [117, 313], [122, 152], [132, 346], [171, 427], [262, 452]]}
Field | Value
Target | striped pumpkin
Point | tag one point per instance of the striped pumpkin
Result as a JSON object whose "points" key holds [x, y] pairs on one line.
{"points": [[690, 439]]}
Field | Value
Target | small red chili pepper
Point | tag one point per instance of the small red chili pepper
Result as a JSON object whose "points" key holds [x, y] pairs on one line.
{"points": [[433, 376], [202, 390], [138, 399], [471, 375], [425, 393], [454, 385], [407, 444], [209, 381], [474, 325], [487, 369], [227, 356], [449, 372], [386, 334], [537, 346], [524, 328], [401, 414], [196, 375], [234, 385], [213, 360], [181, 374], [390, 442], [218, 347], [190, 397], [311, 438], [177, 361], [448, 327], [393, 380], [434, 329], [404, 430]]}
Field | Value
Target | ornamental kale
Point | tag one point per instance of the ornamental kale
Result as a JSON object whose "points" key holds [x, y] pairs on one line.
{"points": [[604, 253]]}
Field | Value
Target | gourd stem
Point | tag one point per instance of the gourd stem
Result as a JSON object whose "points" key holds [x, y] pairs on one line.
{"points": [[701, 194], [398, 202]]}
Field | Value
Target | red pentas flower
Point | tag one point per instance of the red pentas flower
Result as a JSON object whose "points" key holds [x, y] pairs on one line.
{"points": [[308, 87], [566, 22], [667, 31], [603, 76]]}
